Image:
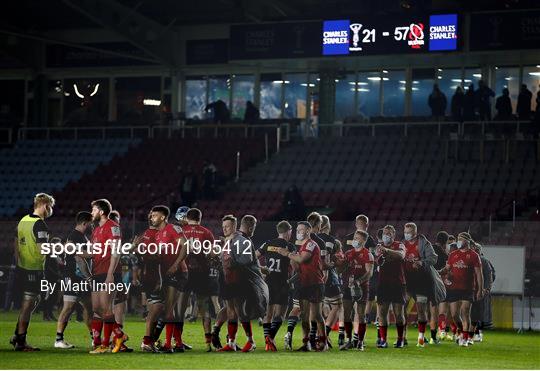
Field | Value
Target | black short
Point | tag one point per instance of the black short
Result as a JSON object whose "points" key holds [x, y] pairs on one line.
{"points": [[101, 278], [29, 282], [458, 295], [279, 293], [178, 281], [155, 296], [387, 294], [200, 283], [313, 293], [72, 295], [230, 291], [346, 292], [418, 285], [332, 291]]}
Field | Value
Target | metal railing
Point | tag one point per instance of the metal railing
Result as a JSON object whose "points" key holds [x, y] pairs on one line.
{"points": [[174, 130], [341, 129]]}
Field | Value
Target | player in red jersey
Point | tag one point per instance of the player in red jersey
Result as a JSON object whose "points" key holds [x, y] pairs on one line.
{"points": [[151, 283], [391, 285], [201, 243], [466, 283], [419, 258], [358, 270], [172, 250], [105, 269], [311, 281]]}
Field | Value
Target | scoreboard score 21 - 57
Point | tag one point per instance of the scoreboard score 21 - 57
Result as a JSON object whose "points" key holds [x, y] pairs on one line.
{"points": [[388, 35]]}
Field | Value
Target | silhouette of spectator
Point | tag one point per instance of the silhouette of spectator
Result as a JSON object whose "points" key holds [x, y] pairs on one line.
{"points": [[457, 104], [469, 104], [503, 105], [524, 103], [221, 113], [252, 114], [484, 95], [437, 102]]}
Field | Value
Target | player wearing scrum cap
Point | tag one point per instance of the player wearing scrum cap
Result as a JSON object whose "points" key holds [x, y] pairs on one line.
{"points": [[466, 284], [277, 274], [31, 233], [419, 258]]}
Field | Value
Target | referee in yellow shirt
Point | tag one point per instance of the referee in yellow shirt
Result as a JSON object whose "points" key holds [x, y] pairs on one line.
{"points": [[31, 233]]}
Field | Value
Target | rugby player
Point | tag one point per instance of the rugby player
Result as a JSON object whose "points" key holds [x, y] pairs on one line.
{"points": [[76, 270], [173, 250], [464, 270], [333, 296], [236, 254], [151, 283], [357, 275], [311, 283], [201, 242], [32, 232], [277, 274], [361, 224], [419, 257], [105, 269], [120, 304], [391, 285], [438, 313]]}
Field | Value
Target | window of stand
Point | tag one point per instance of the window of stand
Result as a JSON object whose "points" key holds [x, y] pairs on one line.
{"points": [[531, 78], [243, 91], [393, 93], [196, 88], [270, 95], [138, 99], [86, 101]]}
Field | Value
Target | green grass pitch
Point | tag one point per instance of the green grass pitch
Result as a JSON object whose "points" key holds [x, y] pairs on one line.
{"points": [[500, 350]]}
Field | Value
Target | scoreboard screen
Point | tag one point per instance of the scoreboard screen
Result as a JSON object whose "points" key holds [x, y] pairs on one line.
{"points": [[388, 35]]}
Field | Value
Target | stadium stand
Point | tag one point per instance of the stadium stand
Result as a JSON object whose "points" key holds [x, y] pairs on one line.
{"points": [[34, 166]]}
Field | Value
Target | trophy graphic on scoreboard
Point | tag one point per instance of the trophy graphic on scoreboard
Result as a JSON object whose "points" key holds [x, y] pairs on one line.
{"points": [[355, 28]]}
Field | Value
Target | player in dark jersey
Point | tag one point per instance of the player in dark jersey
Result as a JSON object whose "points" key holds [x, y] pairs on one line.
{"points": [[311, 285], [238, 258], [464, 270], [105, 269], [173, 251], [391, 285], [200, 282], [333, 296], [277, 274], [76, 270], [419, 258], [32, 232], [358, 270], [151, 283], [438, 312]]}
